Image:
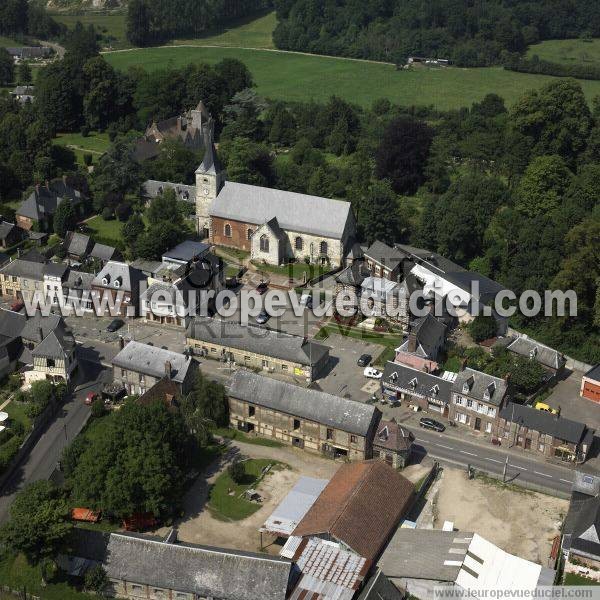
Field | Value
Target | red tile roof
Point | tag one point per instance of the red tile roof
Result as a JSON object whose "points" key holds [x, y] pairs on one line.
{"points": [[361, 506]]}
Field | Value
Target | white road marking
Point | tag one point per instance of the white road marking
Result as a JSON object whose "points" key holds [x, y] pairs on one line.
{"points": [[517, 467], [566, 480], [419, 440], [469, 453], [447, 447], [495, 460], [543, 474]]}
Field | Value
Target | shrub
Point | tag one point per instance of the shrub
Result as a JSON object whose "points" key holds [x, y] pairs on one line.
{"points": [[96, 579], [123, 211], [88, 159], [85, 131], [483, 328], [98, 408], [237, 471], [107, 214]]}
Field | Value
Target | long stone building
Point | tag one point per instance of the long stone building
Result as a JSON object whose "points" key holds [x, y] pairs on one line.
{"points": [[304, 418]]}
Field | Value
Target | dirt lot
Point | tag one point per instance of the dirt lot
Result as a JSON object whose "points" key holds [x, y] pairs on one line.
{"points": [[521, 522]]}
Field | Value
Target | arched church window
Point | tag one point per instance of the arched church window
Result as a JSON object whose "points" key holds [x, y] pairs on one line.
{"points": [[299, 243], [249, 234], [323, 247], [264, 243], [227, 230]]}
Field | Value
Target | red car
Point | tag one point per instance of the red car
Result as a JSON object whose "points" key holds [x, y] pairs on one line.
{"points": [[89, 399], [17, 306]]}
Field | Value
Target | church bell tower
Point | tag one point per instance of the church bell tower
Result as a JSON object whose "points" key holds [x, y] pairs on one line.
{"points": [[209, 181]]}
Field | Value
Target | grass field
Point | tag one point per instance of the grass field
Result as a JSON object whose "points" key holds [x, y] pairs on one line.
{"points": [[568, 51], [6, 41], [289, 76], [107, 230], [95, 143], [240, 436], [110, 25], [574, 579], [231, 507]]}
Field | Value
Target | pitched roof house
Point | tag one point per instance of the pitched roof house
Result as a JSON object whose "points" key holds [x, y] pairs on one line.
{"points": [[77, 245], [120, 280], [360, 507], [549, 358], [426, 338]]}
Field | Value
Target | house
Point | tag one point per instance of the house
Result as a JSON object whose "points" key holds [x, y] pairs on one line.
{"points": [[542, 432], [184, 193], [467, 290], [37, 210], [392, 443], [54, 276], [165, 390], [29, 52], [383, 261], [53, 357], [185, 253], [142, 566], [379, 587], [275, 226], [551, 360], [24, 276], [77, 287], [103, 253], [11, 344], [179, 295], [426, 338], [10, 234], [360, 508], [150, 268], [138, 367], [581, 528], [257, 347], [23, 93], [590, 384], [381, 297], [77, 245], [350, 279], [120, 284], [477, 398], [427, 391], [188, 128], [304, 418]]}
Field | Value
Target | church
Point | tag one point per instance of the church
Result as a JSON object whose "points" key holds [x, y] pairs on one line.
{"points": [[275, 226]]}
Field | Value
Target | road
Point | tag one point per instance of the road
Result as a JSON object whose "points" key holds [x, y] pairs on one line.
{"points": [[520, 469], [60, 432]]}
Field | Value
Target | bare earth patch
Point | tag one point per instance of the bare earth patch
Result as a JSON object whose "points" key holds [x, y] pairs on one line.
{"points": [[521, 522]]}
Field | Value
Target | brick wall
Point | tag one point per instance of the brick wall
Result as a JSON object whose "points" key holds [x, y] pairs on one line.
{"points": [[239, 233], [590, 390]]}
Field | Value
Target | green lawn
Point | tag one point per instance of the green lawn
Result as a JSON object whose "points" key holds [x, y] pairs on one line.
{"points": [[18, 574], [250, 32], [16, 411], [293, 270], [567, 51], [240, 436], [110, 25], [106, 230], [574, 579], [96, 143], [232, 507], [289, 76], [8, 42]]}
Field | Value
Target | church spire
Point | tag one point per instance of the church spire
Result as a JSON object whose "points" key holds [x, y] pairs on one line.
{"points": [[210, 161]]}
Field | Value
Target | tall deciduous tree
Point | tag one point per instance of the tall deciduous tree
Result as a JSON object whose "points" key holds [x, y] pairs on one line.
{"points": [[379, 214], [65, 218]]}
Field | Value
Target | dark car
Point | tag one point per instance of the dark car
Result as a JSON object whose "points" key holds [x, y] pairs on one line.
{"points": [[364, 360], [262, 288], [263, 317], [115, 325], [428, 423]]}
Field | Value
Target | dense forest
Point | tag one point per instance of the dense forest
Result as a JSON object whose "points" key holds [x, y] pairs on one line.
{"points": [[20, 18], [468, 32], [153, 21]]}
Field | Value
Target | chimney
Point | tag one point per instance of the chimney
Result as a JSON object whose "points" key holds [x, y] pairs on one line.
{"points": [[121, 342], [426, 369], [41, 333], [412, 342], [168, 369]]}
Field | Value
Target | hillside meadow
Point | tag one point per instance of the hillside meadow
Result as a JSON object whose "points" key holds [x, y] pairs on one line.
{"points": [[290, 76]]}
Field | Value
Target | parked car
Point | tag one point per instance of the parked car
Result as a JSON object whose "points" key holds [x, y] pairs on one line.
{"points": [[428, 423], [115, 325], [306, 300], [364, 360], [262, 288], [546, 408], [89, 399], [263, 317], [373, 373], [17, 306]]}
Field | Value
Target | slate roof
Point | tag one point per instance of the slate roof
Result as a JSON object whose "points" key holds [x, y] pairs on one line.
{"points": [[361, 506], [43, 200], [150, 360], [392, 436], [186, 251], [478, 383], [379, 587], [544, 422], [259, 340], [210, 161], [398, 377], [193, 569], [130, 277], [380, 288], [5, 229], [425, 554], [148, 267], [428, 331], [11, 323], [545, 355], [384, 255], [25, 268], [57, 343], [594, 373], [55, 269], [103, 252], [152, 188], [353, 275], [32, 326], [77, 243], [78, 280], [294, 212], [346, 415]]}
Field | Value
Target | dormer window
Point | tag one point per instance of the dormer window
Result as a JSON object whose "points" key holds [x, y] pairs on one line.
{"points": [[413, 382], [489, 391], [118, 282], [465, 388], [533, 353], [435, 390], [394, 376], [106, 279], [384, 434]]}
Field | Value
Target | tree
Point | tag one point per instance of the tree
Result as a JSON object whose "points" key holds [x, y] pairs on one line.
{"points": [[543, 185], [24, 74], [242, 116], [7, 67], [158, 238], [39, 521], [65, 218], [247, 162], [175, 162], [96, 579], [235, 74], [117, 171], [138, 23], [161, 209], [483, 328], [237, 471], [379, 215], [133, 229], [402, 154]]}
